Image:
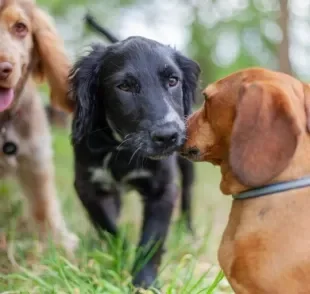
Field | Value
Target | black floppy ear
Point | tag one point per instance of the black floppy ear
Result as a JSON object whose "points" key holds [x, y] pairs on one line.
{"points": [[191, 72], [84, 83]]}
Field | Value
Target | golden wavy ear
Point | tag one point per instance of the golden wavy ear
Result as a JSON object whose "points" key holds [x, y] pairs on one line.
{"points": [[54, 64], [264, 136]]}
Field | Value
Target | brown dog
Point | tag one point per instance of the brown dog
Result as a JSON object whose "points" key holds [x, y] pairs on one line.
{"points": [[255, 125], [31, 50]]}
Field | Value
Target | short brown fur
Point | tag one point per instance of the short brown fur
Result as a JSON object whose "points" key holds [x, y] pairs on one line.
{"points": [[254, 124], [39, 52]]}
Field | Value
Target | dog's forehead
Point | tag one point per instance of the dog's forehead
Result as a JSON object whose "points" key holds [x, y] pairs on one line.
{"points": [[230, 86], [138, 48], [224, 85], [12, 11]]}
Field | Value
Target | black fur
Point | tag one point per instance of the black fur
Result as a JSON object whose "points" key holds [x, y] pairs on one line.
{"points": [[186, 167], [124, 95], [93, 24]]}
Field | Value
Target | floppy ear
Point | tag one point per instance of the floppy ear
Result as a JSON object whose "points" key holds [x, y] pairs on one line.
{"points": [[83, 82], [191, 72], [264, 136], [54, 65]]}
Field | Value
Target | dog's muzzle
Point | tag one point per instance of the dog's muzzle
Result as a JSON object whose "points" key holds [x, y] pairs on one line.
{"points": [[164, 140], [190, 153]]}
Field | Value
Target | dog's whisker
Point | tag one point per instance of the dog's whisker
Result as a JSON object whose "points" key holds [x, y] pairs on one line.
{"points": [[122, 143], [142, 159], [131, 158], [118, 148]]}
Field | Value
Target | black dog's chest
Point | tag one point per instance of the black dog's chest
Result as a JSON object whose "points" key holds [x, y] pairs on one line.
{"points": [[119, 171]]}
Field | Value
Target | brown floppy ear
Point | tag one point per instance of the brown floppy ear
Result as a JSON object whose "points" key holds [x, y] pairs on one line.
{"points": [[264, 136], [54, 64]]}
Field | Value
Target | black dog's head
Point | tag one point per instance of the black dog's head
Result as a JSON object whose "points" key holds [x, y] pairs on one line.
{"points": [[142, 89]]}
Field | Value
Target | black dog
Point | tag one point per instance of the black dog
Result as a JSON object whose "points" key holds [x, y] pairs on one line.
{"points": [[186, 167], [131, 101]]}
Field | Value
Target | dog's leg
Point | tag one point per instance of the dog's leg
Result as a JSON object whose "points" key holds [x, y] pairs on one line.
{"points": [[156, 220], [38, 186], [102, 211], [187, 181], [102, 206], [56, 117], [116, 206]]}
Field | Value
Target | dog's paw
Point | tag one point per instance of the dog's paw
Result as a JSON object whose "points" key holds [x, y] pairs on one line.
{"points": [[148, 291], [146, 278], [69, 242]]}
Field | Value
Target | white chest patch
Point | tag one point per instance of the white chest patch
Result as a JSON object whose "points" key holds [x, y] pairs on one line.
{"points": [[103, 176]]}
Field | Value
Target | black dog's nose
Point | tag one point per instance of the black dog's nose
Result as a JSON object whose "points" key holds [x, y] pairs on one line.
{"points": [[165, 136]]}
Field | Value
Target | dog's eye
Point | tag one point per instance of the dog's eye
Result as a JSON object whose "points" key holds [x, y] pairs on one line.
{"points": [[173, 81], [20, 29], [124, 87]]}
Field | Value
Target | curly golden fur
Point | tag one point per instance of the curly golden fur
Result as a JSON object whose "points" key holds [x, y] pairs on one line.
{"points": [[31, 51]]}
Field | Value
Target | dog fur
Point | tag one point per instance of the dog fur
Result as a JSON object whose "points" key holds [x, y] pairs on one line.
{"points": [[34, 52], [128, 96], [254, 124], [186, 167]]}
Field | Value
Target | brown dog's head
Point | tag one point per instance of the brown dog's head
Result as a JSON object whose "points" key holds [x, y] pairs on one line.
{"points": [[250, 124], [29, 44]]}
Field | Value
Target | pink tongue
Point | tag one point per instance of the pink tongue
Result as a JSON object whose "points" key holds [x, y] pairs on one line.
{"points": [[6, 98]]}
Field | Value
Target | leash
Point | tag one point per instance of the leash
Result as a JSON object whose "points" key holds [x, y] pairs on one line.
{"points": [[9, 147], [274, 188]]}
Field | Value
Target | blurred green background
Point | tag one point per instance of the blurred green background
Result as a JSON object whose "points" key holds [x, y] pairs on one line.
{"points": [[223, 36]]}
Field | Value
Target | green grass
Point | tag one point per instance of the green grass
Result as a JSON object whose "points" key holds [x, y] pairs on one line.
{"points": [[189, 265]]}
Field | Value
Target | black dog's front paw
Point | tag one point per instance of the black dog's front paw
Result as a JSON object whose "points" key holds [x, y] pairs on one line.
{"points": [[146, 278]]}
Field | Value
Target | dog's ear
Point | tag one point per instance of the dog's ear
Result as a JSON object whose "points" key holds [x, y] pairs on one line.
{"points": [[191, 72], [53, 63], [264, 136], [84, 84]]}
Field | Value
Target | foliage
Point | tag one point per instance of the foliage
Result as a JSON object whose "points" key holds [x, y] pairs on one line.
{"points": [[102, 266]]}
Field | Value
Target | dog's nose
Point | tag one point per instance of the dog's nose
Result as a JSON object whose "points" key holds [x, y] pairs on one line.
{"points": [[193, 152], [165, 136], [5, 69]]}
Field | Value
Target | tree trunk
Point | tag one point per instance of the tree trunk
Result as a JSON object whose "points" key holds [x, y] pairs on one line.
{"points": [[283, 48]]}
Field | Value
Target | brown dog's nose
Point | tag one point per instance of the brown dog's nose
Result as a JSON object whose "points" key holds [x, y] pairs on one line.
{"points": [[5, 70], [191, 152]]}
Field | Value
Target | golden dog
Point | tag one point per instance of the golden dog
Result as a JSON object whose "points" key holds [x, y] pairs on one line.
{"points": [[31, 50]]}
